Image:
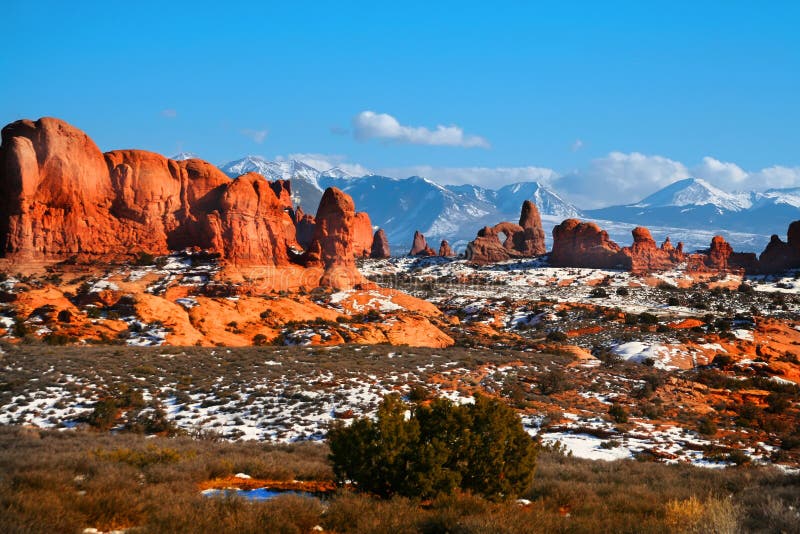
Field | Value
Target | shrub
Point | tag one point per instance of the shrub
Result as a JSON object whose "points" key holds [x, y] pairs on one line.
{"points": [[481, 448], [104, 414], [618, 413], [554, 381], [598, 292], [556, 336], [144, 259], [745, 288], [706, 426], [722, 360], [647, 318]]}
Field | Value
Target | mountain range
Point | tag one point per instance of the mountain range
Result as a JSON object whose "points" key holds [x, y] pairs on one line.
{"points": [[690, 210], [401, 206]]}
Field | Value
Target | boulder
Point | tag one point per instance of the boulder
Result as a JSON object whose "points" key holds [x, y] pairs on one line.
{"points": [[380, 245]]}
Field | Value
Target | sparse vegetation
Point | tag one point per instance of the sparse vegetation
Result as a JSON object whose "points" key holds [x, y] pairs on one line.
{"points": [[66, 482]]}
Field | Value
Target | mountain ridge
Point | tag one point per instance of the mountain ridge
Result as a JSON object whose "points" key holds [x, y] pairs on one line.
{"points": [[687, 209]]}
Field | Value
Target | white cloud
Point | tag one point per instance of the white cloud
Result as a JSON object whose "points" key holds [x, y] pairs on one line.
{"points": [[620, 178], [257, 136], [722, 174], [730, 177], [169, 113], [323, 162], [370, 125], [491, 177], [777, 177]]}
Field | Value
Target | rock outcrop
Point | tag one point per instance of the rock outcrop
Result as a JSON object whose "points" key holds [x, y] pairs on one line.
{"points": [[251, 224], [718, 253], [487, 247], [779, 255], [531, 242], [304, 227], [584, 244], [420, 246], [362, 238], [380, 245], [523, 240], [61, 197], [333, 245], [445, 250], [646, 256]]}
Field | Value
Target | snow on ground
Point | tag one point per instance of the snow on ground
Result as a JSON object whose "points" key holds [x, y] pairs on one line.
{"points": [[639, 352]]}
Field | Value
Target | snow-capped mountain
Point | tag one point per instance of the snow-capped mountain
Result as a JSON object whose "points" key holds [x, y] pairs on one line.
{"points": [[695, 207], [696, 192], [690, 210], [305, 189], [510, 197], [181, 156], [401, 206], [455, 213], [690, 203]]}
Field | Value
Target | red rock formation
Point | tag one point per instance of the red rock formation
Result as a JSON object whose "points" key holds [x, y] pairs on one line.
{"points": [[748, 261], [487, 248], [778, 255], [304, 227], [522, 240], [362, 244], [332, 247], [584, 244], [61, 197], [55, 191], [445, 251], [531, 241], [252, 224], [645, 256], [718, 253], [380, 245], [420, 246]]}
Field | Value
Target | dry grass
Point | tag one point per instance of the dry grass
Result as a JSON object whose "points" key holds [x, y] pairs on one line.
{"points": [[65, 481]]}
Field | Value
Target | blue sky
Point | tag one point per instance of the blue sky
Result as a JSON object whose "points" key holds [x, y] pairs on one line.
{"points": [[577, 88]]}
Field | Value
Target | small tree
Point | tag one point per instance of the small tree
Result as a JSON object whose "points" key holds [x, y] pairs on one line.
{"points": [[425, 451]]}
